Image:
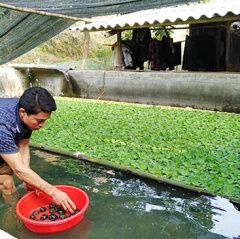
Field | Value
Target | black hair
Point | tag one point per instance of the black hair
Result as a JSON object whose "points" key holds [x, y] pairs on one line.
{"points": [[35, 100]]}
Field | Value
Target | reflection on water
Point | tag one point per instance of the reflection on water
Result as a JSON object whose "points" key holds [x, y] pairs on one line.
{"points": [[80, 231], [126, 207], [226, 218]]}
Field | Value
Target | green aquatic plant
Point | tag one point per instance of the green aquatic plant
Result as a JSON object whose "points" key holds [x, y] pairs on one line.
{"points": [[195, 147]]}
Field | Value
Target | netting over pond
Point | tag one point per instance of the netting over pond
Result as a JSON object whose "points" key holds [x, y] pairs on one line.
{"points": [[23, 31], [93, 8]]}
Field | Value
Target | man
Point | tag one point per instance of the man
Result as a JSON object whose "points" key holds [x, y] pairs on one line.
{"points": [[18, 118]]}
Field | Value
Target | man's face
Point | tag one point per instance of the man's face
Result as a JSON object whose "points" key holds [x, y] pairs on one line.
{"points": [[34, 122]]}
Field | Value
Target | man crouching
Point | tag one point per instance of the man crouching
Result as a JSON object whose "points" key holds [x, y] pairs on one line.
{"points": [[18, 118]]}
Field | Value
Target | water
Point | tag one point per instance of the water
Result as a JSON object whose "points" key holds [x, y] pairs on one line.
{"points": [[123, 206]]}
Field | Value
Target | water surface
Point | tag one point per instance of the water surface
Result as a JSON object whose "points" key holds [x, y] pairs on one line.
{"points": [[124, 206]]}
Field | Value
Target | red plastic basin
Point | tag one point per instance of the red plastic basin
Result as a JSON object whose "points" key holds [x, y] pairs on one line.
{"points": [[31, 201]]}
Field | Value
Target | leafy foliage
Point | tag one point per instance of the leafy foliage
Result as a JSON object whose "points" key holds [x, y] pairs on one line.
{"points": [[159, 33], [198, 148], [127, 35]]}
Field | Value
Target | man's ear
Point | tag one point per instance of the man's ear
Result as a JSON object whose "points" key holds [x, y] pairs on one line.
{"points": [[22, 112]]}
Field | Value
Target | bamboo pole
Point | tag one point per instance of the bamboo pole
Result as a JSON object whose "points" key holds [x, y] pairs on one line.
{"points": [[28, 10], [119, 167]]}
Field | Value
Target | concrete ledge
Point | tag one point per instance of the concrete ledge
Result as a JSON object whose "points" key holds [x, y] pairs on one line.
{"points": [[5, 235]]}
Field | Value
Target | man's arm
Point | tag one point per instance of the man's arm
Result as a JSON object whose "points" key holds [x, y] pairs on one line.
{"points": [[27, 175], [23, 148]]}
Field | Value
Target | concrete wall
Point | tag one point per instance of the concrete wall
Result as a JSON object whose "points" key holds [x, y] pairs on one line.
{"points": [[212, 91]]}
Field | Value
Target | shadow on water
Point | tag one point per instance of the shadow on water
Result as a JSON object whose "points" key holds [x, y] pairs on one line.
{"points": [[123, 206]]}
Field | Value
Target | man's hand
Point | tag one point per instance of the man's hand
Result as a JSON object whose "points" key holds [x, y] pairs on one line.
{"points": [[61, 198]]}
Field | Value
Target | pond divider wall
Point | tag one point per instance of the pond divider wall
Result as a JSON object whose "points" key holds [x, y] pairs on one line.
{"points": [[219, 91]]}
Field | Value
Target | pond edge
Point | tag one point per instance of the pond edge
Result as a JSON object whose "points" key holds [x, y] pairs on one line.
{"points": [[81, 156]]}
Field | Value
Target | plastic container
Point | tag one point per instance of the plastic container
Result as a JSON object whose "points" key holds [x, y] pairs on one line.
{"points": [[31, 202]]}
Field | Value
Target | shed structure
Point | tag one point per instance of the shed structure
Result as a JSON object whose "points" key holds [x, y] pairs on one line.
{"points": [[210, 31]]}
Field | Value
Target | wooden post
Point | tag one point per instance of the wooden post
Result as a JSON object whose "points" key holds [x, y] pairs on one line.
{"points": [[86, 40], [119, 53]]}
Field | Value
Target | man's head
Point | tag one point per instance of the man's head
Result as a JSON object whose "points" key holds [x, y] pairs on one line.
{"points": [[35, 107]]}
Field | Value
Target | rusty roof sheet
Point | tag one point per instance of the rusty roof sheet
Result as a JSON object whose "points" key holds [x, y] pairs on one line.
{"points": [[213, 11]]}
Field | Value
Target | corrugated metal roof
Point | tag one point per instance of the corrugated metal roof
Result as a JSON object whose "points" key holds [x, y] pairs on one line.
{"points": [[216, 10]]}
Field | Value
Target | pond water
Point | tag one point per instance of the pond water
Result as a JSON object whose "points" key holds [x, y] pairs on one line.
{"points": [[124, 206]]}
